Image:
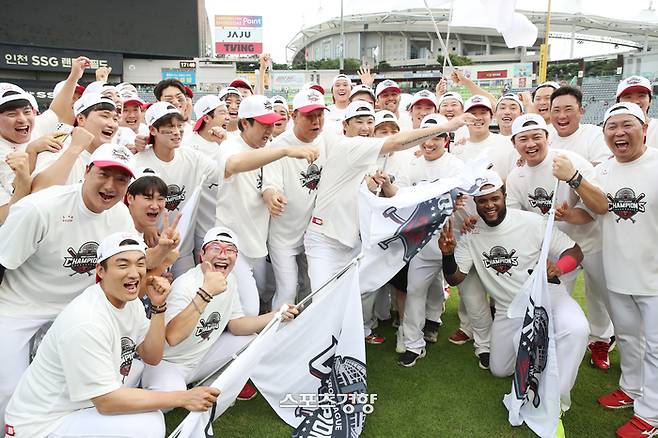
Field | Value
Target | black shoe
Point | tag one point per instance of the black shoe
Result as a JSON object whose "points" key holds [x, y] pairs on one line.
{"points": [[613, 342], [483, 360], [431, 331], [409, 358]]}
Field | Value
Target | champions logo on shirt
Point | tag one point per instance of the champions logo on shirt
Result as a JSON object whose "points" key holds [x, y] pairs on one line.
{"points": [[127, 355], [205, 328], [500, 260], [541, 200], [82, 261], [311, 177], [625, 204], [175, 197]]}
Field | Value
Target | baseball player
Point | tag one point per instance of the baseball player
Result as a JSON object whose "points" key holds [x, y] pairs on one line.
{"points": [[48, 252], [76, 385], [541, 99], [502, 261], [530, 188], [508, 107], [232, 97], [364, 93], [451, 104], [341, 87], [280, 106], [243, 86], [637, 89], [387, 94]]}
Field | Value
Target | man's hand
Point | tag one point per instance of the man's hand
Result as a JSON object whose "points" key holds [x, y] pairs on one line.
{"points": [[288, 312], [457, 76], [151, 237], [169, 237], [264, 61], [441, 87], [140, 142], [78, 66], [381, 179], [308, 153], [157, 289], [563, 212], [199, 399], [80, 140], [447, 241], [214, 282], [275, 201], [463, 119], [218, 133], [366, 77], [468, 225], [552, 271], [103, 73], [48, 143], [563, 168], [18, 162], [526, 100]]}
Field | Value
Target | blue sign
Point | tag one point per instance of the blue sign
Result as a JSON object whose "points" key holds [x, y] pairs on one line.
{"points": [[187, 77]]}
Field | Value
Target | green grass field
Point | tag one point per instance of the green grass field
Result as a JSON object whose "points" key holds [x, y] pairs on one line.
{"points": [[445, 395]]}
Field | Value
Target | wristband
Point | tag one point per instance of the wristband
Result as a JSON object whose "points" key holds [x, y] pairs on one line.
{"points": [[449, 264], [570, 179], [208, 296], [567, 264], [158, 310], [203, 297]]}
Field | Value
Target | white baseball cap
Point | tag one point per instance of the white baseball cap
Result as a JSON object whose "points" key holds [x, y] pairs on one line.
{"points": [[220, 234], [384, 116], [117, 243], [11, 95], [314, 86], [423, 96], [158, 110], [308, 100], [126, 86], [386, 84], [359, 108], [258, 107], [114, 155], [528, 122], [513, 98], [362, 89], [279, 101], [477, 100], [624, 108], [240, 83], [99, 87], [203, 106], [634, 83], [431, 120], [87, 100], [341, 77], [226, 91], [452, 95], [144, 172], [58, 88], [551, 84], [489, 177]]}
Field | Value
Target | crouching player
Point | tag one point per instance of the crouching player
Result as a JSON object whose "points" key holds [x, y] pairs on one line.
{"points": [[203, 303], [74, 387]]}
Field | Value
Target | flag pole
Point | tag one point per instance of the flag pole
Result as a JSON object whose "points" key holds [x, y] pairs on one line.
{"points": [[438, 34], [379, 186]]}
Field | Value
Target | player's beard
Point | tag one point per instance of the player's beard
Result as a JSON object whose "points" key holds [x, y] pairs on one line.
{"points": [[501, 217]]}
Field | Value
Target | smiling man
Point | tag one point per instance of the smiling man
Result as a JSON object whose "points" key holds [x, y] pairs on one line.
{"points": [[508, 108], [637, 89], [541, 98], [233, 98], [48, 252]]}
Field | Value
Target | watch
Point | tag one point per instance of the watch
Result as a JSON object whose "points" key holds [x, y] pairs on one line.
{"points": [[574, 183]]}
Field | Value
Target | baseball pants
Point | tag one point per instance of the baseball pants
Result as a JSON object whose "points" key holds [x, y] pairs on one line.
{"points": [[325, 257], [635, 318], [596, 296], [86, 423], [477, 311], [571, 334], [286, 274], [250, 273]]}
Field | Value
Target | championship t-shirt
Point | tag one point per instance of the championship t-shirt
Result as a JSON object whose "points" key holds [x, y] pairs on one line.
{"points": [[86, 353], [587, 141], [77, 175]]}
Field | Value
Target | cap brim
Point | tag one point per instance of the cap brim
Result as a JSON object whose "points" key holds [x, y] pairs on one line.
{"points": [[138, 102], [424, 99], [309, 108], [269, 119], [392, 87], [197, 124], [478, 106], [103, 164], [635, 89]]}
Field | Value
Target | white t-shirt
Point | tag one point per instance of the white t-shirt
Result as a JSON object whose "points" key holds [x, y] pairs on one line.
{"points": [[652, 133], [298, 181], [48, 245], [630, 228], [44, 124], [497, 148], [421, 170], [336, 207], [77, 175], [240, 205], [404, 121], [333, 120], [531, 189], [587, 141], [503, 254], [187, 171], [86, 353], [396, 165], [461, 133], [221, 309], [125, 136]]}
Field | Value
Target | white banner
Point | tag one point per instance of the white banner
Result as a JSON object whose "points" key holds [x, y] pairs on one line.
{"points": [[239, 34]]}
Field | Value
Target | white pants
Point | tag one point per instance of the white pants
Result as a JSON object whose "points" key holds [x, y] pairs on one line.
{"points": [[15, 347], [424, 298], [249, 272], [170, 376], [325, 257], [476, 310], [286, 274], [571, 335], [383, 302], [596, 296], [88, 423], [636, 326]]}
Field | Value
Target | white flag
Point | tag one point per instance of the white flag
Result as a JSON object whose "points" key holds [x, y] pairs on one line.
{"points": [[314, 376], [393, 230], [188, 216], [535, 396]]}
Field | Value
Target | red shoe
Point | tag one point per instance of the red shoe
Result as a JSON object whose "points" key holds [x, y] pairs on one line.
{"points": [[459, 337], [599, 350], [637, 428], [617, 399], [248, 392], [375, 339]]}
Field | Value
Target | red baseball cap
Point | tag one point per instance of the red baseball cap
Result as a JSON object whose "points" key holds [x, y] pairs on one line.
{"points": [[259, 108]]}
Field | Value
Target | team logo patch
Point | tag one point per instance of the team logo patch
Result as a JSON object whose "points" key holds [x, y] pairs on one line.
{"points": [[313, 97], [268, 105], [633, 80], [205, 328], [500, 260], [82, 261], [541, 200], [175, 197], [340, 378], [120, 154], [127, 355], [625, 204], [311, 178]]}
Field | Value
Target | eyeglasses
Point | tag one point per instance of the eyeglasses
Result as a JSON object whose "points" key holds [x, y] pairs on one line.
{"points": [[221, 247]]}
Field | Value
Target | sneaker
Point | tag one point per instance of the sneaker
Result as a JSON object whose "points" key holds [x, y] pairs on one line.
{"points": [[617, 399], [248, 392], [559, 433], [375, 339], [637, 428], [409, 358], [459, 337], [399, 342], [431, 331], [396, 321], [599, 350], [613, 342], [483, 361]]}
